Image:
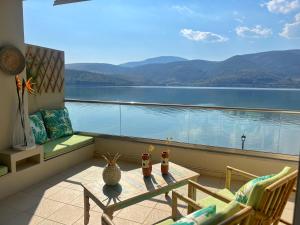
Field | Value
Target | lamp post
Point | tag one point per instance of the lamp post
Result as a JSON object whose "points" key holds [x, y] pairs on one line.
{"points": [[243, 138]]}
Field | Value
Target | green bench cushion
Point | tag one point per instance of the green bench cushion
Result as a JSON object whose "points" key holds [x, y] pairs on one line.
{"points": [[65, 144], [220, 205], [3, 170]]}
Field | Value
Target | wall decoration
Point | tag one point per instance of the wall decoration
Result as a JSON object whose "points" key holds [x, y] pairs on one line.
{"points": [[46, 67], [12, 61]]}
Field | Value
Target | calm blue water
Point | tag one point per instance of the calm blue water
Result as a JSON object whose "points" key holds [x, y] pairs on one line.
{"points": [[268, 132], [248, 98]]}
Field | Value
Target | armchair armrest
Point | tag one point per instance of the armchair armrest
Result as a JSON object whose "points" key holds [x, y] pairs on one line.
{"points": [[175, 197], [241, 217], [229, 171], [209, 192]]}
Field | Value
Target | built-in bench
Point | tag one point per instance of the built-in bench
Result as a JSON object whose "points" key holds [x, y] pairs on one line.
{"points": [[57, 148], [65, 144], [55, 156]]}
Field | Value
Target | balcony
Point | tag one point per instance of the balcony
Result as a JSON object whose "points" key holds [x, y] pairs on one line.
{"points": [[51, 192], [204, 139]]}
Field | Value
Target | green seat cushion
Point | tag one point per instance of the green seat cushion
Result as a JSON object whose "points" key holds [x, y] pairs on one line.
{"points": [[231, 208], [65, 144], [3, 170], [38, 128], [57, 123], [220, 205], [197, 217], [166, 222]]}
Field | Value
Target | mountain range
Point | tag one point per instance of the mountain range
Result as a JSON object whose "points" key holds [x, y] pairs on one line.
{"points": [[280, 69]]}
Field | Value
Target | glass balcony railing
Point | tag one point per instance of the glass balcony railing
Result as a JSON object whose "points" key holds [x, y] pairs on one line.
{"points": [[264, 130]]}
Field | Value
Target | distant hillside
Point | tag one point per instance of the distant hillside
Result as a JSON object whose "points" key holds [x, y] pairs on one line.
{"points": [[77, 77], [265, 69], [156, 60], [103, 68]]}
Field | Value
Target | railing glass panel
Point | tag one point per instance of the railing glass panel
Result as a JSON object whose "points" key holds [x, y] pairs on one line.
{"points": [[95, 118], [266, 131], [154, 122]]}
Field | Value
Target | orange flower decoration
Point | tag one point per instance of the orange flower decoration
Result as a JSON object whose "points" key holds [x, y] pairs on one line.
{"points": [[18, 82], [29, 86]]}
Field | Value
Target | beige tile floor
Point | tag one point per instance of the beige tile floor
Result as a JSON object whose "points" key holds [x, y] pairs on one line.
{"points": [[59, 200]]}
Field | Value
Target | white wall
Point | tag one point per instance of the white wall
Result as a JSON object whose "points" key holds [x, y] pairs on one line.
{"points": [[11, 33], [210, 161]]}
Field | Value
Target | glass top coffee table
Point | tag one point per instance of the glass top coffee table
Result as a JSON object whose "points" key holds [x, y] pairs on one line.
{"points": [[134, 188]]}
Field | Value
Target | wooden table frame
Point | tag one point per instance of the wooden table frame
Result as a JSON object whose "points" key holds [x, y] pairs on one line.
{"points": [[109, 210]]}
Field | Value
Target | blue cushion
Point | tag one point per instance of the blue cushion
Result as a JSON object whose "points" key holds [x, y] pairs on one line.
{"points": [[57, 122], [38, 128], [197, 217]]}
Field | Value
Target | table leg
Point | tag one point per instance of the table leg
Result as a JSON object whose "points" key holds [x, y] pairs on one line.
{"points": [[192, 195], [86, 208], [109, 213]]}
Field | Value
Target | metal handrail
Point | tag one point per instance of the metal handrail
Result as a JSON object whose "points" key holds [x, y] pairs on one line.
{"points": [[184, 106]]}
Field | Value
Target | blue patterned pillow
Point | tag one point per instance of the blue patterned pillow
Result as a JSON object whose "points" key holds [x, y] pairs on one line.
{"points": [[38, 128], [57, 122], [197, 217]]}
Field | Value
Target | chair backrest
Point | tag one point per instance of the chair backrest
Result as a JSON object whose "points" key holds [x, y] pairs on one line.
{"points": [[259, 187], [273, 200]]}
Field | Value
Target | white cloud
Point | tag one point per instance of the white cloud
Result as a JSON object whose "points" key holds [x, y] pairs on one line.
{"points": [[238, 17], [195, 35], [254, 32], [292, 30], [239, 20], [182, 9], [281, 6]]}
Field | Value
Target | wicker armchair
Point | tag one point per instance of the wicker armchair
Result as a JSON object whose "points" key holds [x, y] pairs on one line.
{"points": [[269, 207]]}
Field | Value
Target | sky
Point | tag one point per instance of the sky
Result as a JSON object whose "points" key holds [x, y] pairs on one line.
{"points": [[118, 31]]}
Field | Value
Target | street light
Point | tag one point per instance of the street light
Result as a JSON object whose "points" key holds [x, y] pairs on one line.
{"points": [[243, 138]]}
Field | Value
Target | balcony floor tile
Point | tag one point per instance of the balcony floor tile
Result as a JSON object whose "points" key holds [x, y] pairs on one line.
{"points": [[59, 200]]}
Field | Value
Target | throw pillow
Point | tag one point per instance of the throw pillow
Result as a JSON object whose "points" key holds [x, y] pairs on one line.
{"points": [[57, 122], [258, 190], [243, 194], [38, 128], [197, 217]]}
